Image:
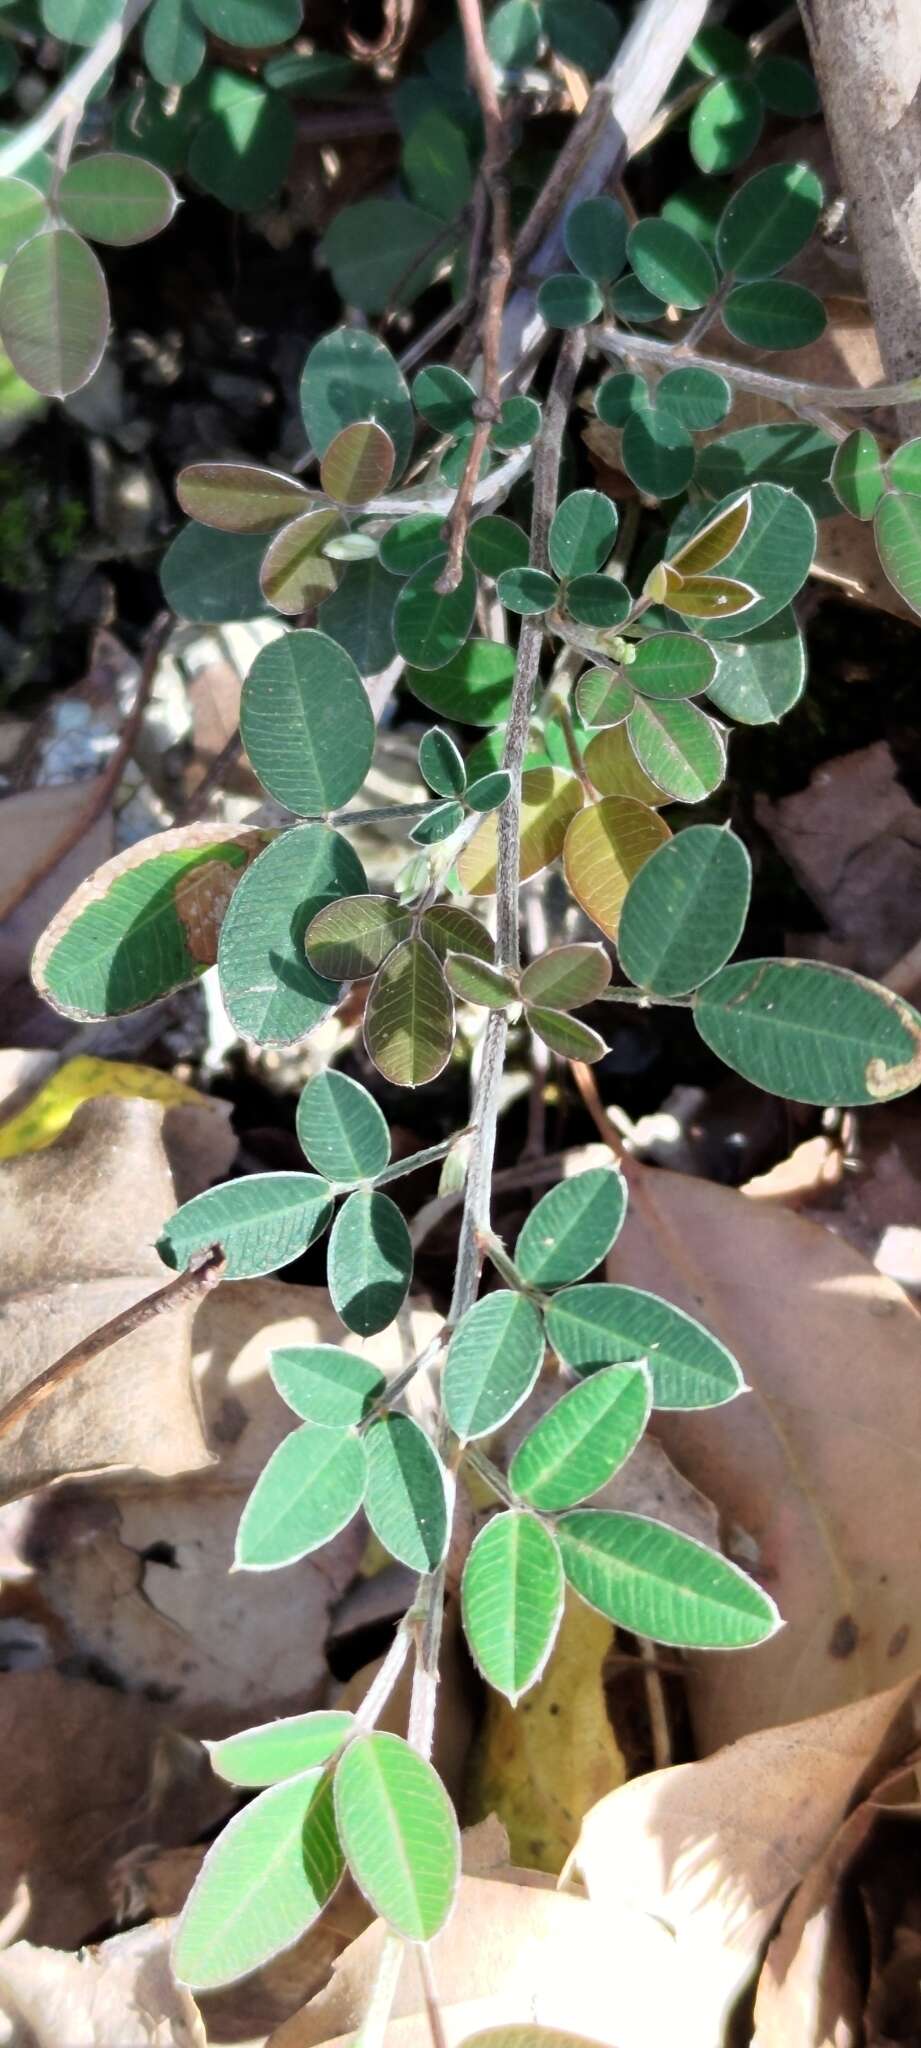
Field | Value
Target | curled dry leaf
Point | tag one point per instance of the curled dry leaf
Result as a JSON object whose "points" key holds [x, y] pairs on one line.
{"points": [[121, 1994], [815, 1469]]}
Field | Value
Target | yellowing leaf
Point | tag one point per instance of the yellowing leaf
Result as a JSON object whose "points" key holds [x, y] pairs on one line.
{"points": [[549, 799], [615, 770], [606, 845], [80, 1080]]}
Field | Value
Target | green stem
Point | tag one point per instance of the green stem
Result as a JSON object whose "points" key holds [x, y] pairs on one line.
{"points": [[417, 1159], [478, 1462], [643, 999]]}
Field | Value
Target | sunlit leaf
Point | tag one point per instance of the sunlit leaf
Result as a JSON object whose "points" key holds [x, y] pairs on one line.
{"points": [[351, 375], [767, 221], [116, 198], [897, 529], [582, 533], [671, 263], [857, 473], [370, 1262], [341, 1129], [761, 677], [358, 464], [658, 1583], [566, 1035], [811, 1033], [475, 981], [685, 912], [549, 799], [279, 1749], [567, 977], [715, 539], [238, 497], [441, 763], [672, 665], [399, 1833], [572, 1228], [347, 940], [263, 1883], [603, 696], [54, 312], [773, 556], [678, 747], [448, 929], [429, 629], [324, 1384], [904, 468], [406, 1496], [271, 991], [609, 1325], [79, 21], [306, 722], [475, 686], [615, 770], [774, 315], [144, 924], [512, 1601], [309, 1490], [606, 845], [725, 124], [409, 1018], [296, 574], [23, 211], [493, 1361], [583, 1440], [261, 1223], [711, 597]]}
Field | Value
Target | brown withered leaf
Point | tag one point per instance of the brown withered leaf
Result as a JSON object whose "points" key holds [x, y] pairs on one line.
{"points": [[120, 1995], [714, 1849], [78, 1223], [815, 1470]]}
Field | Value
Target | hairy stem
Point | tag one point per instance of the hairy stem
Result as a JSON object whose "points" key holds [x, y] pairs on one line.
{"points": [[786, 390]]}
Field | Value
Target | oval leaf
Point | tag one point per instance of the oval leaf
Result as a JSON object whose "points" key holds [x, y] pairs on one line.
{"points": [[581, 1442], [566, 1035], [660, 1584], [370, 1262], [296, 572], [606, 845], [583, 531], [115, 198], [671, 263], [308, 1491], [271, 992], [409, 1019], [306, 722], [477, 981], [549, 799], [399, 1833], [610, 1325], [348, 940], [512, 1601], [567, 977], [238, 497], [493, 1361], [670, 665], [767, 221], [615, 770], [679, 748], [324, 1384], [279, 1749], [351, 375], [897, 528], [406, 1495], [572, 1228], [265, 1881], [358, 464], [54, 312], [685, 913], [341, 1129], [261, 1223], [811, 1033], [429, 629]]}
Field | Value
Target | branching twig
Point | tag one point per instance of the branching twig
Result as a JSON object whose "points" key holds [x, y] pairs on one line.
{"points": [[68, 102], [788, 391], [486, 409], [190, 1286]]}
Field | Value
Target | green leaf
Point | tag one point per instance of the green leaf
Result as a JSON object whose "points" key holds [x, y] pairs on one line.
{"points": [[445, 399], [441, 763], [488, 792], [811, 1033], [897, 529], [23, 212], [595, 235], [412, 542], [112, 197], [512, 1601], [603, 696], [518, 423], [306, 722], [572, 1228], [774, 556], [493, 1361], [242, 152], [399, 1834], [585, 32], [174, 47], [260, 1223], [710, 597], [348, 940], [630, 302], [264, 1882], [565, 1035], [698, 398], [279, 1749], [581, 1442], [657, 452], [358, 464], [696, 206], [611, 1325], [685, 912], [905, 468], [526, 591], [309, 1490], [351, 375], [383, 252], [606, 845], [251, 24], [409, 1018], [237, 497], [341, 1129], [714, 539], [494, 544], [475, 981], [359, 617], [436, 165], [406, 1496], [615, 771], [672, 665], [429, 629], [582, 534], [271, 991], [475, 686], [857, 473], [513, 34], [597, 601], [787, 87], [660, 1584], [448, 929], [679, 747], [144, 924], [549, 799], [774, 315], [437, 825], [54, 312], [768, 220], [791, 453], [715, 49], [324, 1384], [370, 1262], [567, 977], [214, 576], [568, 300], [319, 75], [619, 396], [671, 263], [725, 124], [296, 574], [79, 21], [762, 676]]}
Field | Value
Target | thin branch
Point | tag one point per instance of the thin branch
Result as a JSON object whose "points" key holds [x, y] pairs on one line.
{"points": [[426, 1619], [382, 1685], [430, 1996], [788, 391], [684, 101], [103, 786], [486, 409], [212, 780], [68, 102], [190, 1286]]}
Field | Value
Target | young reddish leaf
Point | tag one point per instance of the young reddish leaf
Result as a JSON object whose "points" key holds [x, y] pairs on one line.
{"points": [[409, 1019], [549, 799], [358, 464], [54, 312], [116, 198], [606, 845], [296, 573], [238, 497]]}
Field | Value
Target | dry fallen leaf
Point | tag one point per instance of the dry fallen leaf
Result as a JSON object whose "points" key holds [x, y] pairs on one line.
{"points": [[140, 1574], [120, 1995], [815, 1470], [713, 1849]]}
